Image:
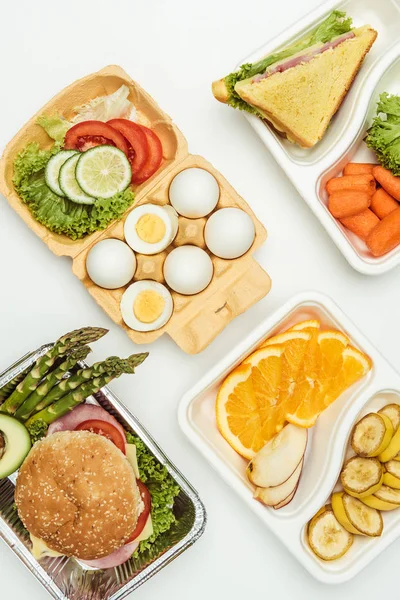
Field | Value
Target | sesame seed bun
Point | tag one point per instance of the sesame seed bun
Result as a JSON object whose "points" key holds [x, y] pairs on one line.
{"points": [[78, 493]]}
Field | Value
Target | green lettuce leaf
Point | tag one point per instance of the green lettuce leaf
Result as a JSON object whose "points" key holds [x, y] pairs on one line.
{"points": [[337, 23], [61, 215], [55, 126], [163, 492], [384, 134]]}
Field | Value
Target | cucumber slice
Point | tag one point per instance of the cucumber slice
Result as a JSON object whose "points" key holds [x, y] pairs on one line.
{"points": [[69, 184], [103, 171], [15, 443], [53, 167]]}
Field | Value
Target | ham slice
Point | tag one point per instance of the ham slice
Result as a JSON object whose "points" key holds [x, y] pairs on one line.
{"points": [[304, 58], [115, 559], [83, 412]]}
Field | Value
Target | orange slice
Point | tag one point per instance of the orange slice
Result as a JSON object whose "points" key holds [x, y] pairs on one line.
{"points": [[306, 325], [355, 365], [246, 401]]}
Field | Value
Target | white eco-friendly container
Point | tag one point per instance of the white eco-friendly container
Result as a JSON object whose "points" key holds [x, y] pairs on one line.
{"points": [[327, 444], [309, 169]]}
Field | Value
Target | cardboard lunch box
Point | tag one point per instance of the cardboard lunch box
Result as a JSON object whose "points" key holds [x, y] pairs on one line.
{"points": [[236, 285]]}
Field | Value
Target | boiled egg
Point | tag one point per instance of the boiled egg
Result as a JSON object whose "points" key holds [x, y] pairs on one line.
{"points": [[150, 228], [146, 305], [188, 270], [194, 193], [229, 232], [111, 264]]}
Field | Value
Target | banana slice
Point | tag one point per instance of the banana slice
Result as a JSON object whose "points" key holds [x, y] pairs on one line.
{"points": [[328, 539], [372, 435], [368, 521], [361, 477], [393, 412], [393, 449], [340, 513], [379, 504], [388, 494], [392, 475]]}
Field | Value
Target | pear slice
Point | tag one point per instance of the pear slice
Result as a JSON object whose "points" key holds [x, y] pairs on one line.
{"points": [[393, 412], [279, 458], [392, 476], [272, 496], [361, 477], [372, 435], [285, 501], [328, 539], [365, 519]]}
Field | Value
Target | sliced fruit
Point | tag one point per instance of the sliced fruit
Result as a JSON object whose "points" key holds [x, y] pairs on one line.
{"points": [[69, 184], [361, 477], [393, 412], [137, 139], [89, 134], [306, 325], [52, 171], [372, 435], [328, 539], [388, 494], [272, 496], [393, 448], [365, 519], [15, 443], [392, 475], [154, 158], [355, 365], [286, 501], [103, 171], [279, 458], [378, 503], [246, 401], [340, 513]]}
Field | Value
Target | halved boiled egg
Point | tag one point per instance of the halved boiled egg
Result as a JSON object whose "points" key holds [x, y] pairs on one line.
{"points": [[146, 305], [150, 228]]}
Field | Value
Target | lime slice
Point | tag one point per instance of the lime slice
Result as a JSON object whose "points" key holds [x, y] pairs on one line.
{"points": [[103, 171], [53, 168], [69, 184]]}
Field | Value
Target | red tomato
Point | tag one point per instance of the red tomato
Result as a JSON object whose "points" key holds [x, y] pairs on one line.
{"points": [[154, 159], [87, 134], [137, 139], [144, 515], [105, 429]]}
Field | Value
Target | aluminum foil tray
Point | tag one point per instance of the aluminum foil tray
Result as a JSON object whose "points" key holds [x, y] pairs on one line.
{"points": [[64, 578]]}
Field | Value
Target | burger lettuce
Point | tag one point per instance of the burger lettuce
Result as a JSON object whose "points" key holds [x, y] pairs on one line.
{"points": [[384, 134], [337, 23], [163, 491], [61, 215]]}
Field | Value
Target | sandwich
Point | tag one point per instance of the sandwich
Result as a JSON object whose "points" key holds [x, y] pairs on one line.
{"points": [[299, 89]]}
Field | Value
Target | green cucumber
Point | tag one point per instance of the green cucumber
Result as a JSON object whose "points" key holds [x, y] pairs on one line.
{"points": [[15, 443], [68, 183], [53, 167], [103, 171]]}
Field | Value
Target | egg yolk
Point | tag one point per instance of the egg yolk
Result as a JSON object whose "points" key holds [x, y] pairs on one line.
{"points": [[150, 228], [148, 306]]}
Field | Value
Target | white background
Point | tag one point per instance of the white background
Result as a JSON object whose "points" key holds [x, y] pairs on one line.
{"points": [[175, 48]]}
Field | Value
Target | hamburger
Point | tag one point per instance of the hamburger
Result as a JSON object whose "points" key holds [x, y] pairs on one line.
{"points": [[77, 492], [298, 89]]}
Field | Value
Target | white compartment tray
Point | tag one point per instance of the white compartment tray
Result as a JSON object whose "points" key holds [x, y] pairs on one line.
{"points": [[326, 447], [309, 169]]}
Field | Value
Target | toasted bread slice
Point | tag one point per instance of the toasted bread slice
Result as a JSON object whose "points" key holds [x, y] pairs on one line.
{"points": [[302, 100]]}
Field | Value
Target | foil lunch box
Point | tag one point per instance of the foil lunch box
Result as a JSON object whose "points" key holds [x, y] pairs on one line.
{"points": [[64, 578]]}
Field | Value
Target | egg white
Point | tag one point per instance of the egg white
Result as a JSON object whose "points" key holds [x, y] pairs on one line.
{"points": [[188, 270], [170, 219], [194, 192], [111, 264], [129, 297]]}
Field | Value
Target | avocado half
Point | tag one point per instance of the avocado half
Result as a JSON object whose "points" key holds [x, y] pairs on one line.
{"points": [[15, 443]]}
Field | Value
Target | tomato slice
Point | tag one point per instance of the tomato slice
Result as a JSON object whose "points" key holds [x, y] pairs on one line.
{"points": [[137, 139], [105, 429], [94, 133], [144, 515], [154, 159]]}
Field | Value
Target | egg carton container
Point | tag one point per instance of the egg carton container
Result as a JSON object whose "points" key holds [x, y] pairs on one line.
{"points": [[327, 440], [236, 285], [310, 168], [66, 579]]}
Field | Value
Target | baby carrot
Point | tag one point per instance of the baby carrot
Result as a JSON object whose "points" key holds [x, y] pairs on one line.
{"points": [[382, 204], [389, 182], [358, 168], [347, 203], [386, 235], [361, 224], [364, 182]]}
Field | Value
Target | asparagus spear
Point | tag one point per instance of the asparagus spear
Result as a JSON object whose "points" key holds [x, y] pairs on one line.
{"points": [[9, 387], [115, 367], [35, 400], [79, 337]]}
